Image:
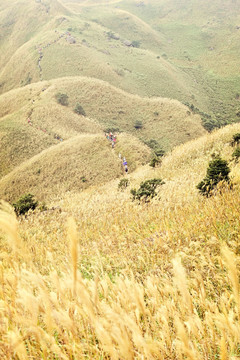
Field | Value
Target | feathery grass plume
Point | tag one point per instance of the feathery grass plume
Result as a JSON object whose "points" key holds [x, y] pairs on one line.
{"points": [[184, 344], [230, 263], [223, 348], [17, 344], [180, 280], [73, 242], [9, 225]]}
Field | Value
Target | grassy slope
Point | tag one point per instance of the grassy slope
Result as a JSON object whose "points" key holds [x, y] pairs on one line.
{"points": [[135, 70], [141, 71], [104, 106], [190, 36], [176, 58], [17, 29], [19, 140], [129, 275], [60, 168], [195, 33]]}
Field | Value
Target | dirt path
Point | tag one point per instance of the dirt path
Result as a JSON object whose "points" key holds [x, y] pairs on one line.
{"points": [[40, 48]]}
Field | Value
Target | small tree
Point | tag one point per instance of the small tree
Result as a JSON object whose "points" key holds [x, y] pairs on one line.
{"points": [[24, 204], [155, 161], [147, 190], [217, 171], [79, 110], [62, 99], [235, 139], [138, 124]]}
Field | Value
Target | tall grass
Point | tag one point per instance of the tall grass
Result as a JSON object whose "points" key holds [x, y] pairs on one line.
{"points": [[128, 282]]}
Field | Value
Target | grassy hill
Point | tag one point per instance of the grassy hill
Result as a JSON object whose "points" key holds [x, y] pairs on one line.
{"points": [[189, 36], [161, 278], [17, 28], [35, 120], [94, 274], [173, 56]]}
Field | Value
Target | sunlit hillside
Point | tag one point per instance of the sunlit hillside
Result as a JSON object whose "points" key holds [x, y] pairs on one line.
{"points": [[32, 119], [148, 48], [128, 280], [109, 120]]}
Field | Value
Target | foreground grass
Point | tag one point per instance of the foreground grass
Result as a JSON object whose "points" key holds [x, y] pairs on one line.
{"points": [[127, 281]]}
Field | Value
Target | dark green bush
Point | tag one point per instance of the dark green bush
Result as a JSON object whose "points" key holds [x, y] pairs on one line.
{"points": [[112, 35], [123, 184], [147, 190], [217, 171], [138, 124], [25, 203], [154, 145], [235, 139], [83, 179], [79, 110], [236, 154], [155, 161], [62, 99], [136, 43], [159, 152], [112, 130]]}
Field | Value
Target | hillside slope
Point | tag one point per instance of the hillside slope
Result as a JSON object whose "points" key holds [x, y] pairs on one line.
{"points": [[96, 41], [190, 36], [32, 119], [169, 267]]}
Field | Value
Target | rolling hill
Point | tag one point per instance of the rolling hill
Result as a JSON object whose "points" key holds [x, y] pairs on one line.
{"points": [[36, 122], [93, 272], [173, 55], [166, 265]]}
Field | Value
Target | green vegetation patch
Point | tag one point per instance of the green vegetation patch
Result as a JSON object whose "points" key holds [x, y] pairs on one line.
{"points": [[218, 171]]}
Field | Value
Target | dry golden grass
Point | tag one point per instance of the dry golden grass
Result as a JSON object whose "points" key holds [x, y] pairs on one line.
{"points": [[127, 281], [72, 166], [165, 120]]}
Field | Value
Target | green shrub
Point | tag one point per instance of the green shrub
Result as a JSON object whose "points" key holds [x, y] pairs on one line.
{"points": [[236, 154], [154, 145], [217, 171], [136, 43], [83, 179], [155, 161], [25, 203], [159, 152], [147, 190], [138, 124], [62, 99], [79, 110], [235, 139], [112, 130], [123, 184], [112, 35]]}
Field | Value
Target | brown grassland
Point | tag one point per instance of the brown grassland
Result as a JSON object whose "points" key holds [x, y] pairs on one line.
{"points": [[101, 277]]}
